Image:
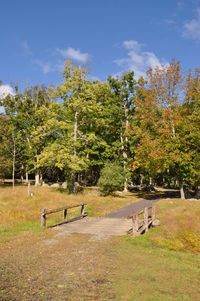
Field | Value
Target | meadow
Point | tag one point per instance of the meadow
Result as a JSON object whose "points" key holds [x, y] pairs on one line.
{"points": [[38, 264]]}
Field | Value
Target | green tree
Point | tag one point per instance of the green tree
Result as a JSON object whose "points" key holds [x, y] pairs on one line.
{"points": [[123, 96], [111, 178]]}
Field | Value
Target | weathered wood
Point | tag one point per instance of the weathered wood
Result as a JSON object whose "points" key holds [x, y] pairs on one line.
{"points": [[62, 208], [153, 215], [43, 218], [82, 209], [135, 224], [67, 221], [65, 209], [146, 219], [155, 223], [65, 214]]}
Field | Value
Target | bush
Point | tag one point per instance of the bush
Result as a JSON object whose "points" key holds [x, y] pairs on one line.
{"points": [[111, 178]]}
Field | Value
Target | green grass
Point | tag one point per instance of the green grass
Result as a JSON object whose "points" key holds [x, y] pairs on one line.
{"points": [[147, 272], [163, 264]]}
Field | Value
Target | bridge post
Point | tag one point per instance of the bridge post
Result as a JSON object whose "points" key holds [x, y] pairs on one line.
{"points": [[135, 224], [43, 217], [153, 215], [146, 224], [65, 215], [82, 209]]}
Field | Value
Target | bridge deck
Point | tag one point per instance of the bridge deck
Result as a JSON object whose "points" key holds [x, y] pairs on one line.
{"points": [[98, 226], [115, 223]]}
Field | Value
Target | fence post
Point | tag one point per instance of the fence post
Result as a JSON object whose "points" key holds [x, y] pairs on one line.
{"points": [[65, 215], [153, 215], [135, 224], [43, 218], [82, 210], [146, 219]]}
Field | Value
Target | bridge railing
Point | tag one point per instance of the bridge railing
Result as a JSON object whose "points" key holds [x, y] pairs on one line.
{"points": [[141, 225], [65, 210]]}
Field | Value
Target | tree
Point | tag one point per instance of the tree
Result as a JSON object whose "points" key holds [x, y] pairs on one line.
{"points": [[123, 92], [111, 178]]}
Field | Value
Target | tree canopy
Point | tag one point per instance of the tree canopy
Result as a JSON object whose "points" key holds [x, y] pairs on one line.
{"points": [[150, 126]]}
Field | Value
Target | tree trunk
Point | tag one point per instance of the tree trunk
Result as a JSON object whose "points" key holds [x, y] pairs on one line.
{"points": [[141, 180], [182, 193], [75, 141], [37, 174], [124, 153], [13, 165], [197, 192], [22, 174], [26, 176], [37, 177], [150, 181]]}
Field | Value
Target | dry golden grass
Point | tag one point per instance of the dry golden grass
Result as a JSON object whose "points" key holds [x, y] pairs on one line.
{"points": [[180, 220], [180, 225], [20, 212]]}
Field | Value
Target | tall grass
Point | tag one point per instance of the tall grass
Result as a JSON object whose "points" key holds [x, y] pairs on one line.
{"points": [[20, 212]]}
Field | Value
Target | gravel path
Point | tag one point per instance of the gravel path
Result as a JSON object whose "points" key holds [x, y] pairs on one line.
{"points": [[128, 210]]}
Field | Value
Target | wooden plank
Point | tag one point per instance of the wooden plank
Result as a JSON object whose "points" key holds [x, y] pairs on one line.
{"points": [[141, 211], [62, 208], [82, 209], [65, 214], [43, 218], [153, 212], [135, 225], [146, 219], [68, 221]]}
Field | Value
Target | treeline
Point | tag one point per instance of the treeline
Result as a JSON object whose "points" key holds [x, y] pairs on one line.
{"points": [[149, 126]]}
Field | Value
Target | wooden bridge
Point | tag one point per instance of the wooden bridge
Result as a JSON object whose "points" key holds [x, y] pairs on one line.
{"points": [[133, 220]]}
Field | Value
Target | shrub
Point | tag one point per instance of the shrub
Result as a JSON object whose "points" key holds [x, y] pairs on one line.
{"points": [[111, 178]]}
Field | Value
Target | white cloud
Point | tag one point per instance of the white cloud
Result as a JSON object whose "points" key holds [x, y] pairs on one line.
{"points": [[192, 28], [132, 44], [6, 90], [74, 54], [45, 67], [137, 59], [26, 47]]}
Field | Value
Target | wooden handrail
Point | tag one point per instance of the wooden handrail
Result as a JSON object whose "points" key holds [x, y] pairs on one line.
{"points": [[65, 209], [62, 208], [139, 226]]}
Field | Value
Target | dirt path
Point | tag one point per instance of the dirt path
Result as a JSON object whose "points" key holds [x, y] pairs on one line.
{"points": [[128, 210]]}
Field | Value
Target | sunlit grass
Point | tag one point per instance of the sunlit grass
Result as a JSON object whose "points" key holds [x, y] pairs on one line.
{"points": [[180, 226], [19, 212]]}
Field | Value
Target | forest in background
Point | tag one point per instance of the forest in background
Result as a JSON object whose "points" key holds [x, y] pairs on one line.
{"points": [[146, 129]]}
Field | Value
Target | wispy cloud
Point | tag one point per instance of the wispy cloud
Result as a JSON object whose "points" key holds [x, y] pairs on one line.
{"points": [[137, 59], [192, 27], [74, 54], [45, 67], [26, 48], [55, 62]]}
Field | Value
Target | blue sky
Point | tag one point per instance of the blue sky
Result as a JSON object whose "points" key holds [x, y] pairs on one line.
{"points": [[109, 36]]}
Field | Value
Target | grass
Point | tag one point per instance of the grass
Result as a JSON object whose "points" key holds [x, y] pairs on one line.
{"points": [[180, 225], [163, 264], [18, 212]]}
